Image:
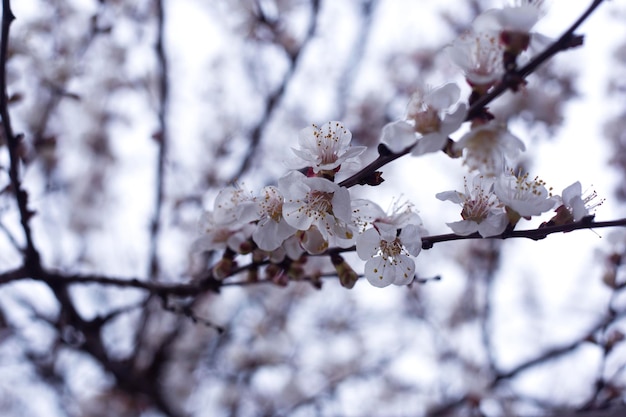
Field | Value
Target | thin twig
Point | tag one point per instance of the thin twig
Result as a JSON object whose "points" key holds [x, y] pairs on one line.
{"points": [[557, 351], [275, 98], [161, 138], [186, 309], [346, 82], [10, 236]]}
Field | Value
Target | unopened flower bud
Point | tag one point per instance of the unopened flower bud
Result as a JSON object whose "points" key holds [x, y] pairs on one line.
{"points": [[295, 271], [245, 247], [224, 267], [514, 42], [347, 276], [272, 271], [614, 338], [610, 278]]}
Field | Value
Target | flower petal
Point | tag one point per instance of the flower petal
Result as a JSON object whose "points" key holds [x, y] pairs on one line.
{"points": [[379, 272]]}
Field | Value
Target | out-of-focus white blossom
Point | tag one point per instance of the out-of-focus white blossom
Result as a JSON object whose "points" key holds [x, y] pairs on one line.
{"points": [[489, 148], [433, 118], [430, 119], [325, 148], [365, 212], [513, 24], [229, 223], [400, 215], [519, 18], [234, 205], [479, 55], [482, 211], [218, 236]]}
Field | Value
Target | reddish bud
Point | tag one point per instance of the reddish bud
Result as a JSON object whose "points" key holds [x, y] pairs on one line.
{"points": [[224, 268], [610, 279], [515, 42], [158, 137]]}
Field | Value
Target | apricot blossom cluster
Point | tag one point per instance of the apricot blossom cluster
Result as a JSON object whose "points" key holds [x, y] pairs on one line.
{"points": [[309, 214]]}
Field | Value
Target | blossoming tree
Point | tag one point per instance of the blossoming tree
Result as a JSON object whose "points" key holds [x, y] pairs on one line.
{"points": [[232, 298]]}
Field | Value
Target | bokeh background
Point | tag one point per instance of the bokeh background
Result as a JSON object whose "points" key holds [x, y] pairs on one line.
{"points": [[135, 114]]}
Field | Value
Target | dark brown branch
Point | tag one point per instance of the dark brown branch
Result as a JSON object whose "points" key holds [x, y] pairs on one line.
{"points": [[209, 283], [13, 275], [161, 137], [31, 255], [384, 158], [534, 234], [161, 289]]}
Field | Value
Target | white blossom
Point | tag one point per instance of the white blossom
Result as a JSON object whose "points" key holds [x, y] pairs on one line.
{"points": [[365, 212], [513, 25], [429, 121], [272, 228], [489, 148], [217, 236], [388, 252], [315, 201], [519, 18], [398, 136], [431, 112], [482, 212], [524, 196], [234, 206], [577, 205], [387, 257], [479, 55], [229, 223], [325, 148]]}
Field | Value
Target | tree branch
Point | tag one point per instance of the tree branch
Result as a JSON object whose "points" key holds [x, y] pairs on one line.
{"points": [[509, 80], [209, 283], [566, 41], [161, 138], [534, 234], [31, 255]]}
